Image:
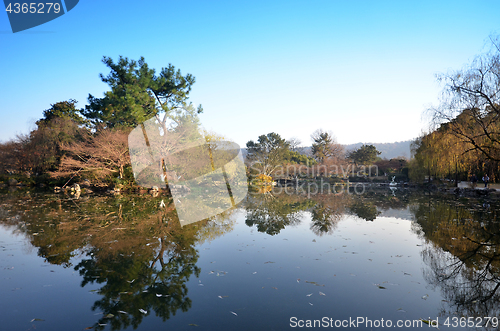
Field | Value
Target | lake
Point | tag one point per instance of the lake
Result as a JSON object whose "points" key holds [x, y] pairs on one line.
{"points": [[277, 261]]}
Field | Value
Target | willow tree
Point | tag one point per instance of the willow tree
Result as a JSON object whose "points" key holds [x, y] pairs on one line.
{"points": [[442, 154], [471, 104]]}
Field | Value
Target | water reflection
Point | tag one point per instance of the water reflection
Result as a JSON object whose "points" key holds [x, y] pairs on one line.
{"points": [[133, 247], [272, 213], [463, 255], [139, 260]]}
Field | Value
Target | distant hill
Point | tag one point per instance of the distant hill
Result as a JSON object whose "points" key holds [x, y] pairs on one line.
{"points": [[389, 150]]}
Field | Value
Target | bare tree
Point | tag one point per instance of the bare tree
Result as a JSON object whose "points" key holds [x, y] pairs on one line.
{"points": [[471, 103], [100, 154]]}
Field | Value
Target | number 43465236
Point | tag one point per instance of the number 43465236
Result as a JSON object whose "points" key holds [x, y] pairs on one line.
{"points": [[33, 8]]}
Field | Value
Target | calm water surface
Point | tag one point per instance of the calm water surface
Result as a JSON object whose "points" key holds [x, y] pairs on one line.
{"points": [[124, 263]]}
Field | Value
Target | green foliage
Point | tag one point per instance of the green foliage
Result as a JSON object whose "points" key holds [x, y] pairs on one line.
{"points": [[294, 157], [268, 153], [63, 110], [324, 146], [366, 154], [137, 93]]}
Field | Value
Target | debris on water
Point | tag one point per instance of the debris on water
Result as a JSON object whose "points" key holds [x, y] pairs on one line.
{"points": [[311, 304], [109, 316], [275, 288], [425, 296], [192, 324], [143, 311], [37, 320], [253, 273], [314, 283], [232, 312], [321, 293], [308, 295], [122, 312], [269, 262], [158, 295], [298, 280], [401, 310]]}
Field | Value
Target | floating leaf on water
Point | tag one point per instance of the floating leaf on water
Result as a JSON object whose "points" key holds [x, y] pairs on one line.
{"points": [[298, 280], [101, 324], [232, 312], [201, 285], [37, 320], [143, 311], [122, 312], [275, 288], [131, 281], [89, 328], [253, 273], [425, 296], [311, 304], [401, 310], [220, 297], [321, 293], [109, 316], [381, 287], [269, 262], [308, 295], [192, 324]]}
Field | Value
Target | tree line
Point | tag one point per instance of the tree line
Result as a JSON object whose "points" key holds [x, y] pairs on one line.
{"points": [[275, 157], [91, 142]]}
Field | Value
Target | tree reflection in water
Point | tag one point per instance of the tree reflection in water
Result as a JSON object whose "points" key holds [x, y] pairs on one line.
{"points": [[462, 255], [141, 259], [132, 246], [271, 213]]}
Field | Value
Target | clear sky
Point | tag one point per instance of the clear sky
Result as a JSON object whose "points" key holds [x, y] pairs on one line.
{"points": [[363, 69]]}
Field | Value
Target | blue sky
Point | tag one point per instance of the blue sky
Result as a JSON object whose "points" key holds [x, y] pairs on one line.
{"points": [[363, 69]]}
